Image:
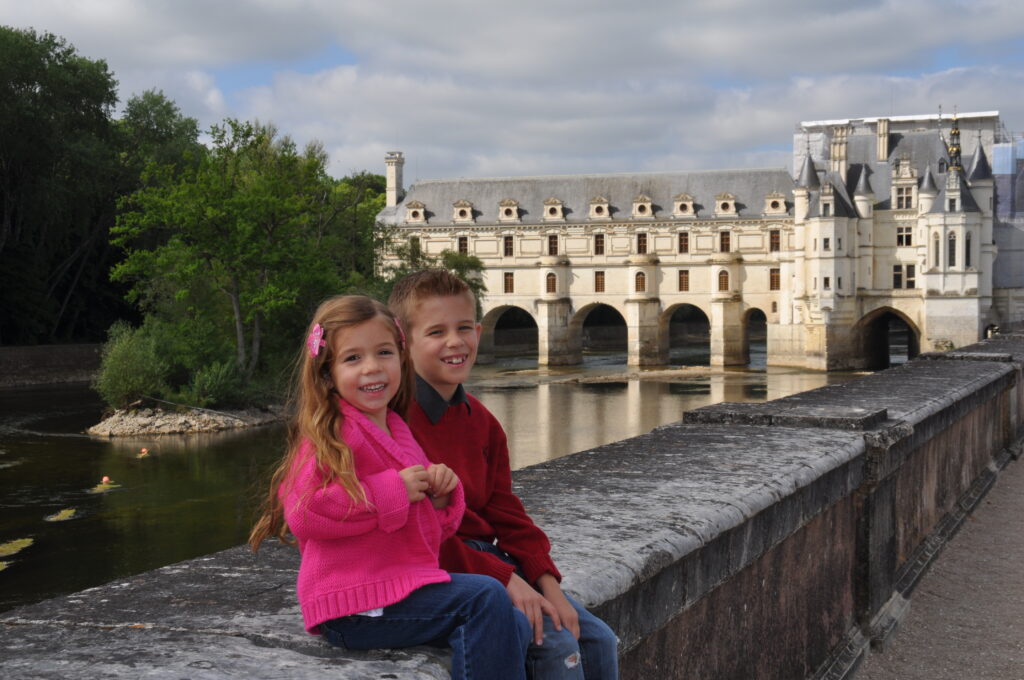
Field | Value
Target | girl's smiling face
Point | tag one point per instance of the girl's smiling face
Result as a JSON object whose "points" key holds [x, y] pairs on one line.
{"points": [[367, 368]]}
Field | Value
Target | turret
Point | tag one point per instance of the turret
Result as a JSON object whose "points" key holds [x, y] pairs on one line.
{"points": [[979, 178], [393, 162], [927, 192], [806, 182], [864, 195]]}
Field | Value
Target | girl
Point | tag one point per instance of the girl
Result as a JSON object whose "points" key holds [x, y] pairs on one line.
{"points": [[369, 511]]}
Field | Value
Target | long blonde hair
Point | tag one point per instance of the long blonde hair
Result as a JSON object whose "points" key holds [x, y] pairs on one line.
{"points": [[315, 413]]}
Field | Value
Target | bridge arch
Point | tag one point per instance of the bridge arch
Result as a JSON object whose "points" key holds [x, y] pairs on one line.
{"points": [[684, 334], [755, 336], [599, 326], [879, 332], [508, 330]]}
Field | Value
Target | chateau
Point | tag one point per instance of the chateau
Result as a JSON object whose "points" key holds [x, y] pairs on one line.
{"points": [[886, 217]]}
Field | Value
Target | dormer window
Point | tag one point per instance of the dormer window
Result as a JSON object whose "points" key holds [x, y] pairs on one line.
{"points": [[826, 208], [775, 204], [643, 207], [508, 210], [725, 204], [599, 209], [682, 206], [415, 212], [462, 212], [553, 210]]}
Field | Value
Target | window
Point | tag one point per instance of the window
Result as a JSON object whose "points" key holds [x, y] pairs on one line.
{"points": [[904, 236], [775, 307], [909, 279], [826, 209], [826, 243], [952, 205], [827, 283], [553, 244], [510, 282], [598, 244], [508, 246], [641, 244], [641, 282], [551, 283], [414, 246], [464, 245], [951, 251], [935, 251], [684, 242], [774, 279], [897, 276], [723, 280], [774, 241], [904, 198], [684, 280], [967, 249], [839, 283], [839, 244], [598, 282], [723, 242]]}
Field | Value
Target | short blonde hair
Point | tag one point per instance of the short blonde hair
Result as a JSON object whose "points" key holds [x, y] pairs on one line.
{"points": [[414, 288]]}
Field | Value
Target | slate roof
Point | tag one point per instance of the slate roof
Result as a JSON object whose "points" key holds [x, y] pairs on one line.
{"points": [[749, 187]]}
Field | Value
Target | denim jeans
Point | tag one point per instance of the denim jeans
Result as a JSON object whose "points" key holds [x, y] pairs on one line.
{"points": [[472, 614], [559, 658]]}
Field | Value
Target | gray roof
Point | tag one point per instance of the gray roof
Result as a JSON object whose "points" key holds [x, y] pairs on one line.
{"points": [[749, 187], [808, 177], [863, 185], [966, 203], [980, 169], [928, 182]]}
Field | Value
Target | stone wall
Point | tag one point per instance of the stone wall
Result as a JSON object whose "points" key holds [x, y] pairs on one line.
{"points": [[48, 364], [771, 540]]}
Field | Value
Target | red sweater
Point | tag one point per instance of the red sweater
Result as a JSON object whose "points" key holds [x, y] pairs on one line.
{"points": [[471, 442]]}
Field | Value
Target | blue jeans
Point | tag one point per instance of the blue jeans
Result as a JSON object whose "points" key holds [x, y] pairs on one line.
{"points": [[472, 614], [559, 658]]}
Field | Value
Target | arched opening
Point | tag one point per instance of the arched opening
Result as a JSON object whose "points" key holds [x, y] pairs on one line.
{"points": [[551, 283], [603, 336], [513, 336], [991, 331], [641, 282], [755, 338], [888, 339], [723, 281], [689, 337]]}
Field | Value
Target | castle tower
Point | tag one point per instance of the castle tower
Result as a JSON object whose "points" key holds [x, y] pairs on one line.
{"points": [[394, 161]]}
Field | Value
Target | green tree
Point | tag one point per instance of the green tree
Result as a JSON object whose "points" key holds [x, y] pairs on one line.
{"points": [[253, 222], [57, 190]]}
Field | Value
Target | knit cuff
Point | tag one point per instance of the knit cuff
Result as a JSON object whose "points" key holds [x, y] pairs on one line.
{"points": [[535, 566], [387, 492]]}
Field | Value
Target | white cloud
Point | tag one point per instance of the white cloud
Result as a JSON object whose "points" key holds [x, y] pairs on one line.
{"points": [[468, 88]]}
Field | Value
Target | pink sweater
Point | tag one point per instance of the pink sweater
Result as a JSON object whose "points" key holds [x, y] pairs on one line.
{"points": [[361, 556]]}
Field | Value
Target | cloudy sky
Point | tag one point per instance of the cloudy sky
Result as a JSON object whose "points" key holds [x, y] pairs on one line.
{"points": [[472, 88]]}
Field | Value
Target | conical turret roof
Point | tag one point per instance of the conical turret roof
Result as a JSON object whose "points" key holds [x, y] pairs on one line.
{"points": [[928, 185], [980, 169], [808, 178]]}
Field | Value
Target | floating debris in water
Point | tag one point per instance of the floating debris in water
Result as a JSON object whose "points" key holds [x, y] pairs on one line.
{"points": [[65, 514], [142, 453], [11, 547], [106, 484]]}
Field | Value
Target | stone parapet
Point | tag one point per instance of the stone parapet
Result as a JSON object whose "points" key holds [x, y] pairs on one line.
{"points": [[775, 540]]}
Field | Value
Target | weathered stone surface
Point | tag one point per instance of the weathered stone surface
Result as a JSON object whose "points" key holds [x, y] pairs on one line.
{"points": [[150, 421]]}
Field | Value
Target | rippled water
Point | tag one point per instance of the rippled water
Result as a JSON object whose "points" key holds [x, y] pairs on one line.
{"points": [[196, 494]]}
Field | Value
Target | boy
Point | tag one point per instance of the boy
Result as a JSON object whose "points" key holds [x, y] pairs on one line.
{"points": [[496, 538]]}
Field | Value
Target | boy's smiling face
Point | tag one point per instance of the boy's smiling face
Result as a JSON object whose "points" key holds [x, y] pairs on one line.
{"points": [[443, 339]]}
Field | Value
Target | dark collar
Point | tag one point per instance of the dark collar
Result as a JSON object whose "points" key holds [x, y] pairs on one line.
{"points": [[433, 404]]}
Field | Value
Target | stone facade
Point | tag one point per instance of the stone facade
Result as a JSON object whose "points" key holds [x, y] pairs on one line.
{"points": [[887, 217]]}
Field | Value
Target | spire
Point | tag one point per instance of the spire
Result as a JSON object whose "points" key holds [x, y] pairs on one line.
{"points": [[980, 169], [928, 185], [863, 185], [808, 178], [955, 164]]}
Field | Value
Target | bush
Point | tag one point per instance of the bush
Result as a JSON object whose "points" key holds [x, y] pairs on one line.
{"points": [[218, 384], [132, 367]]}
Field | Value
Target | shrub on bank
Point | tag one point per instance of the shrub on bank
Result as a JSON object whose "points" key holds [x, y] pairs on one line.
{"points": [[131, 367]]}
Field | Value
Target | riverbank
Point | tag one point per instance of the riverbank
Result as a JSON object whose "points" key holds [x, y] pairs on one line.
{"points": [[183, 420]]}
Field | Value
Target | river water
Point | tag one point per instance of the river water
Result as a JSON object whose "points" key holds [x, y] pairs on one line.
{"points": [[193, 495]]}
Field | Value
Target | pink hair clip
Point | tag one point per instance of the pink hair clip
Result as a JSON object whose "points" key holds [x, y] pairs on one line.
{"points": [[315, 340], [401, 333]]}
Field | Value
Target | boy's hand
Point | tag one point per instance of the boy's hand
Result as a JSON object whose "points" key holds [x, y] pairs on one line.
{"points": [[553, 593], [534, 605], [441, 481], [416, 482]]}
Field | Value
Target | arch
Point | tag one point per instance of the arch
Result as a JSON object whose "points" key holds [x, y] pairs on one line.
{"points": [[886, 336], [601, 329], [755, 337], [936, 250], [991, 330], [951, 251], [685, 332], [641, 282], [551, 283], [967, 250], [508, 331], [723, 280]]}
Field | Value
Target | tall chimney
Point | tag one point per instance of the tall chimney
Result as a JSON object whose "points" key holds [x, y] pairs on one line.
{"points": [[394, 162], [883, 140]]}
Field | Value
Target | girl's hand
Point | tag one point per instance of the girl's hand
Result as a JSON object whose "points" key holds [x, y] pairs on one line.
{"points": [[442, 480], [416, 482]]}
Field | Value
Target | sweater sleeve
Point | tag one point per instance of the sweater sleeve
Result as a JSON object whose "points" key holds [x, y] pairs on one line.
{"points": [[313, 510], [450, 516], [516, 533], [457, 557]]}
